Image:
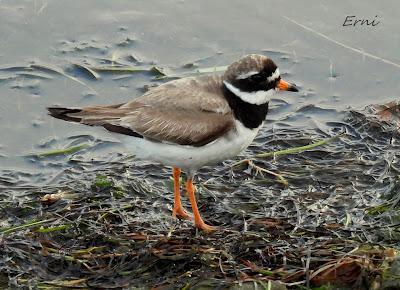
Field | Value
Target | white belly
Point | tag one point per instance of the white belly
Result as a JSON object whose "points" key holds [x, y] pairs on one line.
{"points": [[191, 158]]}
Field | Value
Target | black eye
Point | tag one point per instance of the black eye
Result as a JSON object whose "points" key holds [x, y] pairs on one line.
{"points": [[257, 78], [276, 82]]}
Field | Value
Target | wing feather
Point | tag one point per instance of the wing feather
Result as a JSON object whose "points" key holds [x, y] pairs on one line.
{"points": [[189, 111]]}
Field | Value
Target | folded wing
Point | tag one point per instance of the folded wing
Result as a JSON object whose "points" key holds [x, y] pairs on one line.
{"points": [[185, 112]]}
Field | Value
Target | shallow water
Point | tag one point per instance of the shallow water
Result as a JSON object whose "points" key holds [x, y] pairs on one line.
{"points": [[174, 33]]}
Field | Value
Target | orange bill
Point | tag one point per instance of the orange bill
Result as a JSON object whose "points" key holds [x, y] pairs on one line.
{"points": [[285, 86]]}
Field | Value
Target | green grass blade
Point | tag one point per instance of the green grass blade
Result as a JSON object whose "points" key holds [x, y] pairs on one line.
{"points": [[298, 149], [65, 151]]}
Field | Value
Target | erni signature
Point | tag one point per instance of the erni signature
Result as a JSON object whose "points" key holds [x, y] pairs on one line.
{"points": [[352, 20]]}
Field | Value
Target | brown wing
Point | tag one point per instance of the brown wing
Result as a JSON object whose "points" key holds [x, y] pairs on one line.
{"points": [[189, 111], [200, 94]]}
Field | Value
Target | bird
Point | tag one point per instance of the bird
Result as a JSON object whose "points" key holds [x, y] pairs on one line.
{"points": [[191, 122]]}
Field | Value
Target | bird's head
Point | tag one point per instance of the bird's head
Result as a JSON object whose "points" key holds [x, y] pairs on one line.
{"points": [[255, 78]]}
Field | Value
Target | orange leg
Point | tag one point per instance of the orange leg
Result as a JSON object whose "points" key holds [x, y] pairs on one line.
{"points": [[178, 211], [198, 221]]}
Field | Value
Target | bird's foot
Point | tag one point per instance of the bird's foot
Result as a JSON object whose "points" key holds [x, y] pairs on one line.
{"points": [[205, 227], [181, 213]]}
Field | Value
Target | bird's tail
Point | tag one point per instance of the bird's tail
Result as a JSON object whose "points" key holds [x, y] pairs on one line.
{"points": [[64, 113], [105, 116]]}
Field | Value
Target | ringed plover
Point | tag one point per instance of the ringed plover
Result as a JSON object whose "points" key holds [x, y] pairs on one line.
{"points": [[191, 122]]}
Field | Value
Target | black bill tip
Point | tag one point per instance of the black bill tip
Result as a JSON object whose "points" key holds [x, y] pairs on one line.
{"points": [[293, 88]]}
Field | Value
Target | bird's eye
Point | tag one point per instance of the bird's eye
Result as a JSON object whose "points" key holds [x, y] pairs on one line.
{"points": [[257, 78], [276, 81]]}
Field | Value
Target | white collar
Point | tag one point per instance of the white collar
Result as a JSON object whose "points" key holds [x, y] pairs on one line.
{"points": [[255, 98]]}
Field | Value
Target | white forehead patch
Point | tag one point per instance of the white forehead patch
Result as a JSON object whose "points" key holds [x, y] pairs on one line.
{"points": [[274, 76], [255, 98], [246, 75]]}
